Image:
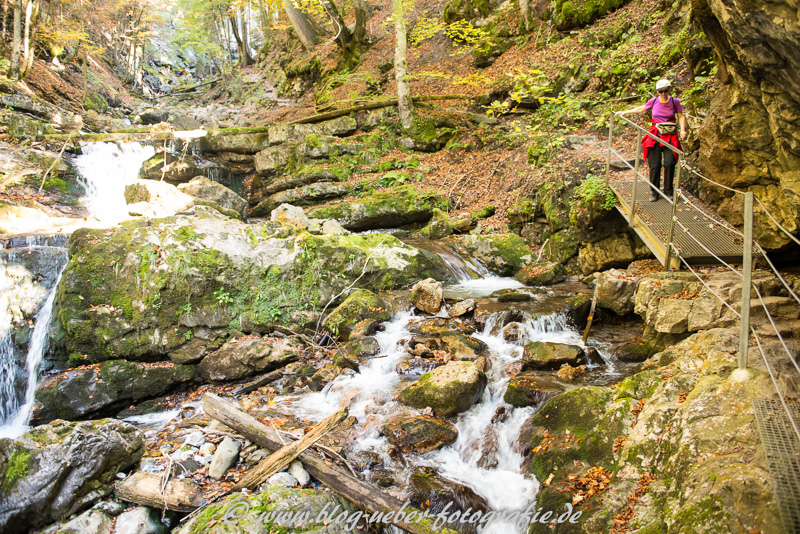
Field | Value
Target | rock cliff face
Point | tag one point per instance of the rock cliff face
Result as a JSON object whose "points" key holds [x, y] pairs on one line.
{"points": [[750, 138]]}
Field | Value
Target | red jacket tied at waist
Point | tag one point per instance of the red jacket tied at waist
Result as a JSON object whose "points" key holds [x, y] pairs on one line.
{"points": [[648, 142]]}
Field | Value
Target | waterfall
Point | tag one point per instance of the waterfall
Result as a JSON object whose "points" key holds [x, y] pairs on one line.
{"points": [[13, 415], [104, 171]]}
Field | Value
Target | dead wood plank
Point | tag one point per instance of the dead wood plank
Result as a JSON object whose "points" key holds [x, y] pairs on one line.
{"points": [[257, 383], [284, 456], [180, 495], [358, 492]]}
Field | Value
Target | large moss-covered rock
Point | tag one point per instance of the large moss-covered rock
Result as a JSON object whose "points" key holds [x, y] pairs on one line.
{"points": [[241, 358], [503, 254], [404, 205], [685, 427], [419, 434], [448, 390], [55, 470], [284, 510], [144, 289], [570, 14], [239, 143], [543, 273], [359, 306], [114, 384], [547, 355], [178, 169], [528, 389], [615, 251]]}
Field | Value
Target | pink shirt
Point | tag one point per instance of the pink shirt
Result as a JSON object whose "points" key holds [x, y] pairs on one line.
{"points": [[664, 112]]}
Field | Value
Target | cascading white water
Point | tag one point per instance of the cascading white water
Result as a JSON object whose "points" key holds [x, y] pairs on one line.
{"points": [[16, 420], [369, 397], [104, 171]]}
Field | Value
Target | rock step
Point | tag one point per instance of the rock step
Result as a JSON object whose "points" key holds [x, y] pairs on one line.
{"points": [[778, 307], [303, 177], [763, 328], [308, 195], [273, 160]]}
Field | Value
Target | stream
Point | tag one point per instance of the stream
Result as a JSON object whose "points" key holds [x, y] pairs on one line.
{"points": [[483, 466]]}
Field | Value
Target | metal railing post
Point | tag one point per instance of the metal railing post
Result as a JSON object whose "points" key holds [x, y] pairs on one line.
{"points": [[610, 135], [747, 271], [635, 176], [671, 234]]}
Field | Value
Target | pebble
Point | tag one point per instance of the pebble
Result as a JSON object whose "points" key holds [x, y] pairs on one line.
{"points": [[282, 479], [207, 449], [299, 473], [226, 455]]}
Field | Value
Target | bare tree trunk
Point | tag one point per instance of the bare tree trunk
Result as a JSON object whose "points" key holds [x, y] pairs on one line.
{"points": [[404, 104], [17, 42], [300, 24], [4, 31], [31, 19], [360, 29], [525, 13], [343, 36], [241, 45]]}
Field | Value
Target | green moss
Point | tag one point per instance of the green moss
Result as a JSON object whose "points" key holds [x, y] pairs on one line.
{"points": [[19, 464], [710, 512], [95, 102], [484, 212], [570, 14]]}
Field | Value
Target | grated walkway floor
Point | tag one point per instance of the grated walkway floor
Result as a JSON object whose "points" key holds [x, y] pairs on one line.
{"points": [[782, 448]]}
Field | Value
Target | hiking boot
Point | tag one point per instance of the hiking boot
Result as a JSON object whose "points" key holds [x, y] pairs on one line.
{"points": [[653, 197], [669, 193]]}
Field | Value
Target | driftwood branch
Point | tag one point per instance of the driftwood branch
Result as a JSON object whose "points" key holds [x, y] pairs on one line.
{"points": [[373, 105], [178, 495], [337, 479], [284, 456], [257, 383]]}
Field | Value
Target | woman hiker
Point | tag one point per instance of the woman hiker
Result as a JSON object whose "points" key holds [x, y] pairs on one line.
{"points": [[664, 109]]}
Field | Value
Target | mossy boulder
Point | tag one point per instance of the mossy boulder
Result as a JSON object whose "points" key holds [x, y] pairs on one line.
{"points": [[547, 355], [114, 384], [55, 470], [571, 14], [442, 225], [615, 251], [419, 434], [528, 389], [404, 205], [360, 305], [144, 289], [238, 143], [577, 309], [175, 169], [302, 196], [428, 135], [305, 176], [462, 346], [204, 189], [503, 254], [242, 358], [448, 390], [467, 10], [274, 510], [543, 273], [427, 295], [95, 102]]}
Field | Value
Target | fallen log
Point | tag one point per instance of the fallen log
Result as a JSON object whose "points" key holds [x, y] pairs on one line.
{"points": [[257, 383], [337, 479], [179, 495], [284, 456]]}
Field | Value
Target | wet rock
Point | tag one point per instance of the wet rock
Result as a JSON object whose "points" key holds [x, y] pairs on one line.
{"points": [[438, 326], [427, 295], [442, 225], [241, 358], [89, 522], [360, 305], [577, 308], [528, 389], [633, 352], [140, 520], [546, 355], [416, 366], [511, 295], [448, 390], [462, 307], [323, 376], [204, 189], [404, 205], [297, 470], [616, 291], [178, 169], [340, 360], [366, 327], [512, 332], [291, 215], [433, 492], [541, 274], [361, 348], [225, 457], [593, 356], [419, 434], [156, 198], [274, 510], [463, 347], [76, 393], [503, 254], [55, 470], [570, 373]]}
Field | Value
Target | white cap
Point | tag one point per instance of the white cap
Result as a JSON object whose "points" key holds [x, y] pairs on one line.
{"points": [[663, 83]]}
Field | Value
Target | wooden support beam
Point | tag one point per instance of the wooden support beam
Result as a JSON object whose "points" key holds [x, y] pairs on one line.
{"points": [[179, 495]]}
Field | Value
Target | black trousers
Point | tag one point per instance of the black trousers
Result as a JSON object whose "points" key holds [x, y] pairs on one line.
{"points": [[654, 156]]}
